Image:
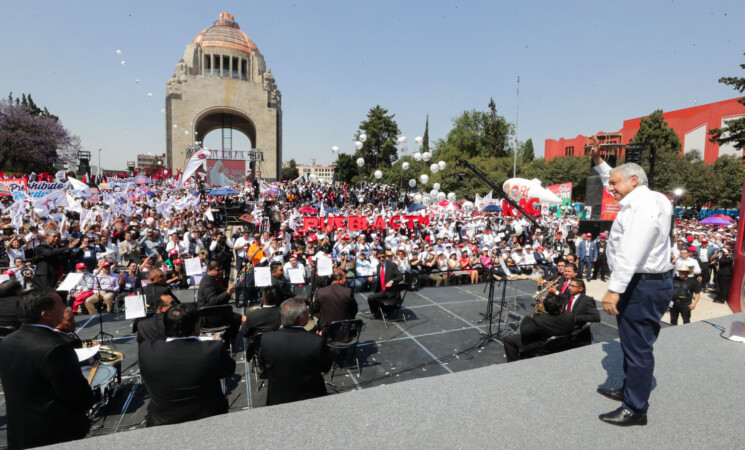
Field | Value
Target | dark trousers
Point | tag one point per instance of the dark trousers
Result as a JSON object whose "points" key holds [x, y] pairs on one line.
{"points": [[382, 300], [512, 346], [585, 268], [600, 268], [723, 282], [640, 309], [682, 309], [705, 275]]}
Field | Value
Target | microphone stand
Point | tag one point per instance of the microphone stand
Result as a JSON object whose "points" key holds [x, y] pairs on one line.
{"points": [[102, 337]]}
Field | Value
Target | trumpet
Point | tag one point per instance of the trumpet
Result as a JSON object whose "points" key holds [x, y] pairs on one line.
{"points": [[542, 293]]}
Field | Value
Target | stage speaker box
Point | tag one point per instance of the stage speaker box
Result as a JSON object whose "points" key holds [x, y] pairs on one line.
{"points": [[594, 195], [595, 227]]}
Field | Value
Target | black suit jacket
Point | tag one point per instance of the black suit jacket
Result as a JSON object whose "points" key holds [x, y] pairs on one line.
{"points": [[211, 293], [47, 395], [585, 310], [259, 321], [151, 329], [391, 274], [183, 378], [334, 302], [9, 312], [152, 294], [48, 262], [285, 289], [294, 359], [536, 329]]}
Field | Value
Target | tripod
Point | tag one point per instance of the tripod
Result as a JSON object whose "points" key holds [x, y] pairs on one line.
{"points": [[102, 336], [489, 314]]}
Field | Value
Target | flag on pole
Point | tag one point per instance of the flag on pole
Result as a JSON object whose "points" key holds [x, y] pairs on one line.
{"points": [[193, 164]]}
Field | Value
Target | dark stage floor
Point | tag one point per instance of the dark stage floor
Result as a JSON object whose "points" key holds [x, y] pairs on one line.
{"points": [[443, 333]]}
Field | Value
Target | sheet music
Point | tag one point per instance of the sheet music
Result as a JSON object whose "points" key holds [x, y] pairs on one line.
{"points": [[193, 266], [135, 307], [297, 276], [262, 276], [325, 267], [86, 352], [70, 281]]}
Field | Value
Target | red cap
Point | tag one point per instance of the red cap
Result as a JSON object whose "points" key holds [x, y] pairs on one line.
{"points": [[80, 266], [691, 249], [178, 261], [107, 264], [312, 238], [603, 236], [588, 234], [10, 272], [704, 240], [689, 239], [173, 252]]}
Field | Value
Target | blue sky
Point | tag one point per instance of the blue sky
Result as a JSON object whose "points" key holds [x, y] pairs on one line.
{"points": [[584, 66]]}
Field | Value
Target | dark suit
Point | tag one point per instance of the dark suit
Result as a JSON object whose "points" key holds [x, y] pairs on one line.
{"points": [[285, 289], [379, 295], [294, 360], [9, 312], [152, 294], [259, 321], [585, 311], [183, 378], [47, 395], [212, 293], [151, 329], [534, 330], [334, 302], [48, 264]]}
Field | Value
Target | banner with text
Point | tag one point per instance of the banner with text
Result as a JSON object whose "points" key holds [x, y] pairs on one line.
{"points": [[563, 191]]}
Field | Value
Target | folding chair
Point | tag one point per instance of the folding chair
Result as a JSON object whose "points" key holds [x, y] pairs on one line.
{"points": [[395, 304], [554, 344], [341, 335], [213, 311]]}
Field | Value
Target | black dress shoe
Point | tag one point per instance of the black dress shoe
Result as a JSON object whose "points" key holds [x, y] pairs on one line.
{"points": [[613, 394], [622, 417]]}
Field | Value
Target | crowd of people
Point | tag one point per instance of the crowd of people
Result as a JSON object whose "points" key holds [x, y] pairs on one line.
{"points": [[139, 241]]}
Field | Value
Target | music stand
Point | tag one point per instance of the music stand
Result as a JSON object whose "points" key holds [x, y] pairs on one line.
{"points": [[102, 336]]}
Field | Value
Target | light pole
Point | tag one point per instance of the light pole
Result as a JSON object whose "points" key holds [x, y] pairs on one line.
{"points": [[99, 162]]}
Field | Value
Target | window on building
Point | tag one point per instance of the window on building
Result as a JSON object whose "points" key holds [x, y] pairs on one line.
{"points": [[244, 69], [207, 64], [569, 150]]}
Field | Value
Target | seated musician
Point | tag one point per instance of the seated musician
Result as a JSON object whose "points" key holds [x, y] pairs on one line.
{"points": [[535, 329], [152, 328], [156, 286], [213, 293], [334, 302], [183, 373], [261, 319]]}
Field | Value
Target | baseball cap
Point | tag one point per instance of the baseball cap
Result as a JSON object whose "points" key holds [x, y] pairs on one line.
{"points": [[173, 252], [689, 239], [691, 249], [107, 264], [80, 266], [178, 261]]}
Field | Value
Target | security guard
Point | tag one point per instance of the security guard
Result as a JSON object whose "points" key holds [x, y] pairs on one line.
{"points": [[686, 293], [601, 266]]}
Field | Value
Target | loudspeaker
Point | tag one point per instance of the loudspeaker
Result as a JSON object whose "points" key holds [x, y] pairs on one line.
{"points": [[595, 227], [594, 195]]}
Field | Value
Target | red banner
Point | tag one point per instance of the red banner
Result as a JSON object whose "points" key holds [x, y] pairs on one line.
{"points": [[563, 190], [609, 208], [357, 223]]}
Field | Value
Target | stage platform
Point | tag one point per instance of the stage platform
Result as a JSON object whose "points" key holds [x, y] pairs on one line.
{"points": [[530, 402]]}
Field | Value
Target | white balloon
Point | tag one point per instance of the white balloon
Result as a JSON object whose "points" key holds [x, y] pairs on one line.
{"points": [[363, 137], [426, 156], [360, 162], [313, 177], [335, 150], [378, 174], [418, 140], [433, 193], [434, 168], [467, 207], [424, 179], [441, 196], [124, 63], [162, 110], [118, 52], [451, 197], [186, 131], [418, 198], [402, 139], [426, 201], [412, 183], [417, 156], [436, 186], [358, 145], [442, 165], [175, 126], [149, 94], [137, 81], [405, 166]]}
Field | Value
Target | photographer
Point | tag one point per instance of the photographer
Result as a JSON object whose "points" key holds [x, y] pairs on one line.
{"points": [[221, 250]]}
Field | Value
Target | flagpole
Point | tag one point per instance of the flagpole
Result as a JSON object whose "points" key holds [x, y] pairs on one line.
{"points": [[517, 110], [99, 162]]}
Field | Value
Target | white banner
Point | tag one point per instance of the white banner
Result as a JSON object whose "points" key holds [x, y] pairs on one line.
{"points": [[196, 160]]}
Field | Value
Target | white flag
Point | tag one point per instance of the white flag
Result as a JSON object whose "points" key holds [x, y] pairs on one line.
{"points": [[196, 160]]}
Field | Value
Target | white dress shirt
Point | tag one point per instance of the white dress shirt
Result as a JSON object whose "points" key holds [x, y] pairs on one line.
{"points": [[639, 240]]}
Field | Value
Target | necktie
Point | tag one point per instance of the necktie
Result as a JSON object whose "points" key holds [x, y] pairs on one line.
{"points": [[563, 288], [571, 302], [382, 277], [222, 286]]}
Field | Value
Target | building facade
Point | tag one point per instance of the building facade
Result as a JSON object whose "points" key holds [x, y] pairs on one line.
{"points": [[324, 173], [691, 125], [148, 160], [222, 82]]}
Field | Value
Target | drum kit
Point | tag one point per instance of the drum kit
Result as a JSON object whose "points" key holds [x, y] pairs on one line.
{"points": [[104, 374]]}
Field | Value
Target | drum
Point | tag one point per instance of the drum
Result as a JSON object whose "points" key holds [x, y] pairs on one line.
{"points": [[109, 356], [104, 384]]}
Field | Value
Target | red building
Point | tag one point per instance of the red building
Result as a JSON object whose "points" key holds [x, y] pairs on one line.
{"points": [[691, 124]]}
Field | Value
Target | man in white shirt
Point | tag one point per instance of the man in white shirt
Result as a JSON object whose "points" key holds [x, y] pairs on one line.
{"points": [[105, 286], [641, 283]]}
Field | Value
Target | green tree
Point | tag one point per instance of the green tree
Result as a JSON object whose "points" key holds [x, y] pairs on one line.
{"points": [[527, 153], [653, 130], [496, 131], [734, 131], [730, 170], [425, 138], [346, 168], [290, 172], [382, 131]]}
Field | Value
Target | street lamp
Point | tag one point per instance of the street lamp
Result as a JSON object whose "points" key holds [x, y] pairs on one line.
{"points": [[99, 162]]}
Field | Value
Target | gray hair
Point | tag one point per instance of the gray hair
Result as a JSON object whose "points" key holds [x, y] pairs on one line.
{"points": [[292, 311], [630, 169]]}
